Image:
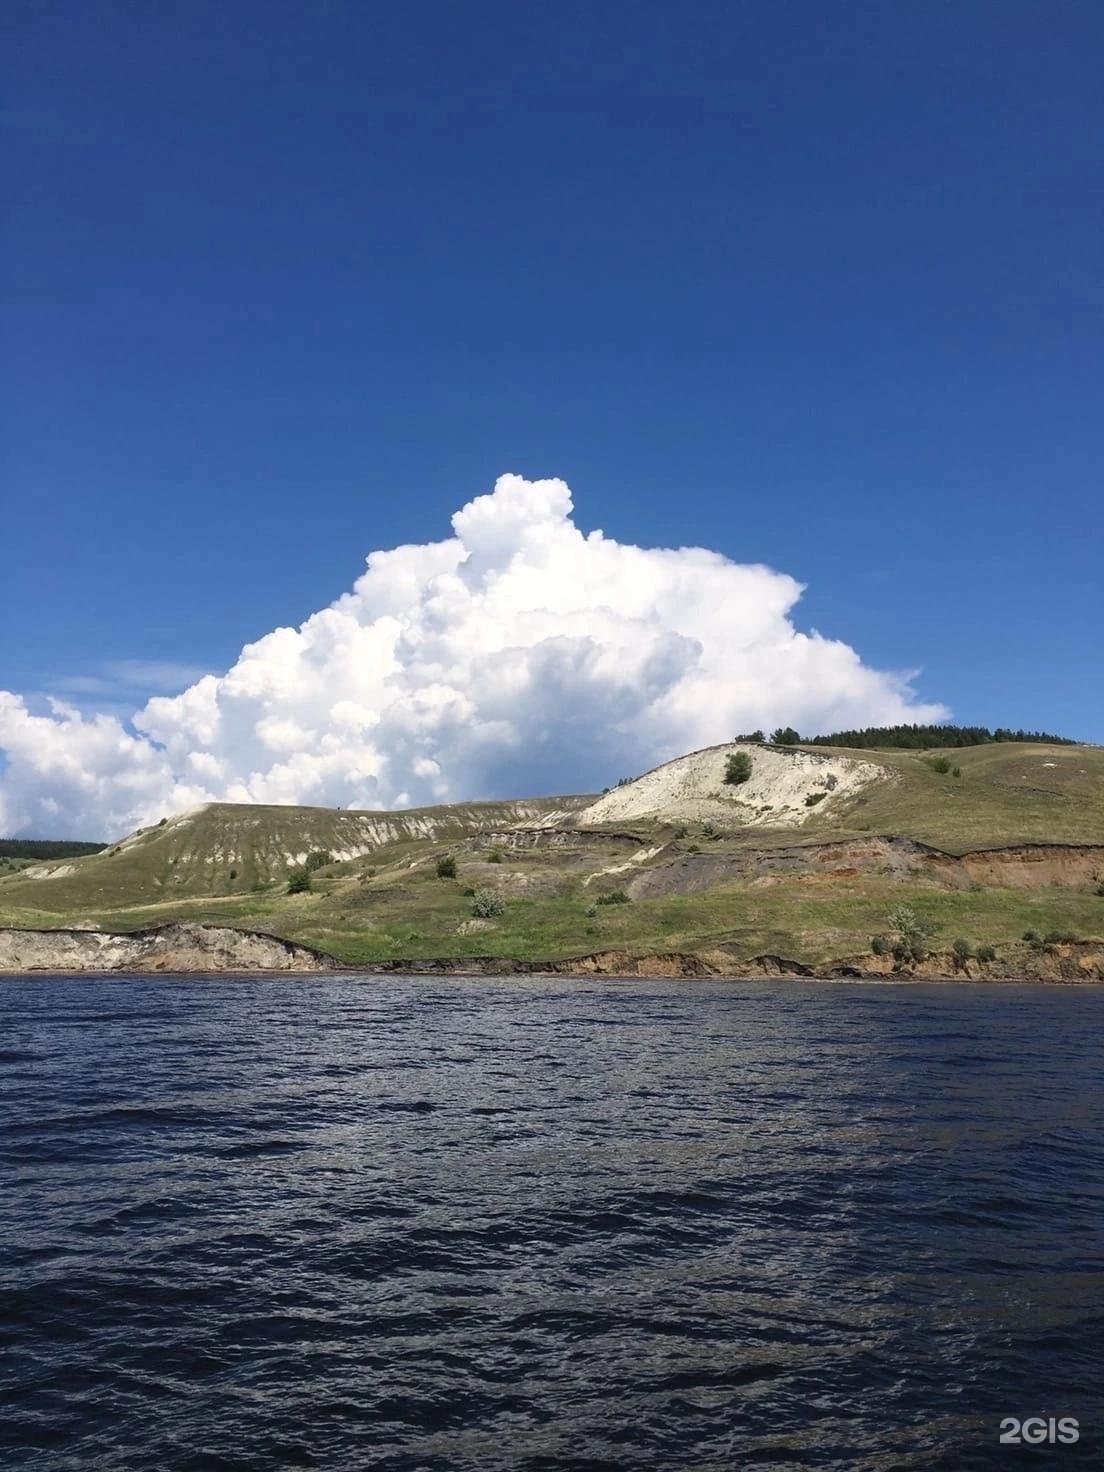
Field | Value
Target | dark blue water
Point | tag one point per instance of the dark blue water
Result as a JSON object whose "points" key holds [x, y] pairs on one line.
{"points": [[460, 1224]]}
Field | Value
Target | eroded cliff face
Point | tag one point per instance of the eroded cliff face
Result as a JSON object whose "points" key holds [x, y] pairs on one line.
{"points": [[1079, 961], [1026, 866], [1036, 866], [1075, 961], [169, 948]]}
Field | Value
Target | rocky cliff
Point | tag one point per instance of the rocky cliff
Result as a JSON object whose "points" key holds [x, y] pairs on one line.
{"points": [[177, 947]]}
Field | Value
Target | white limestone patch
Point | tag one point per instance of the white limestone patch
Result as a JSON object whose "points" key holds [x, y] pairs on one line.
{"points": [[692, 789], [48, 871], [641, 856]]}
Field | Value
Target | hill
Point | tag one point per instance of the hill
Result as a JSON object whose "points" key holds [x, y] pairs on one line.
{"points": [[238, 848], [984, 843], [781, 790]]}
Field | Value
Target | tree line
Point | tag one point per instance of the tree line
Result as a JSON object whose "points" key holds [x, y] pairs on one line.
{"points": [[47, 848], [908, 738]]}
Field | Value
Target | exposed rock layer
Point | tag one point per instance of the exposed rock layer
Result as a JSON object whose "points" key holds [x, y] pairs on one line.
{"points": [[1028, 866], [177, 947], [186, 948], [1080, 961], [784, 786]]}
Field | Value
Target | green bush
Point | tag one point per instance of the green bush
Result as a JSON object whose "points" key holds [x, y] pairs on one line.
{"points": [[962, 950], [446, 867], [986, 953], [815, 797], [299, 881], [1059, 937], [615, 897], [737, 768], [693, 848], [908, 923], [1032, 936], [881, 945], [940, 764], [913, 934], [318, 859], [486, 903], [590, 911], [785, 736], [495, 856]]}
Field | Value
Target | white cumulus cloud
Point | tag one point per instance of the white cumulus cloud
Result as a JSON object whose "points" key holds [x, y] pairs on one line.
{"points": [[518, 657]]}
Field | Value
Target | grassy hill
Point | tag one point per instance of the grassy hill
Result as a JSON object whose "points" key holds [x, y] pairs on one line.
{"points": [[234, 849], [1005, 794], [814, 888]]}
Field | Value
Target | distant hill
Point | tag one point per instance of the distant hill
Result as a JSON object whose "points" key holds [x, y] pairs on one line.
{"points": [[46, 848]]}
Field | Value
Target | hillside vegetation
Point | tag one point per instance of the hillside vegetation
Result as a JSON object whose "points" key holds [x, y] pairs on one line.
{"points": [[985, 843], [235, 848]]}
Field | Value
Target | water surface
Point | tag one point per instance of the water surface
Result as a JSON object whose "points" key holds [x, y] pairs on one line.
{"points": [[547, 1224]]}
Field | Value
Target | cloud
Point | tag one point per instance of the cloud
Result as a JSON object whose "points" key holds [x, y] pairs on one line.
{"points": [[118, 678], [518, 657]]}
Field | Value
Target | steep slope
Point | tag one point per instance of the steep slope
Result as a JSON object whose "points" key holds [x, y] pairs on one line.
{"points": [[785, 786], [958, 800], [231, 848]]}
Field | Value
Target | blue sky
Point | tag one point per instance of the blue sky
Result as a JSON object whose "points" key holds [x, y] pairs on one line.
{"points": [[820, 286]]}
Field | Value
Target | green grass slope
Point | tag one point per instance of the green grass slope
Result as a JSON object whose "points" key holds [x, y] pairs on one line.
{"points": [[233, 849], [1006, 793]]}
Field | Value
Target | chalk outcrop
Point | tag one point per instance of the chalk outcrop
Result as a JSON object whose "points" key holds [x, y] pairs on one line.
{"points": [[785, 787]]}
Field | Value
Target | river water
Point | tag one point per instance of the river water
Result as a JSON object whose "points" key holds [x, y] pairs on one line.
{"points": [[547, 1224]]}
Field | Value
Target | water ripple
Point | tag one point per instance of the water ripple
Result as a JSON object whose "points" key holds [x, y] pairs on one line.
{"points": [[547, 1225]]}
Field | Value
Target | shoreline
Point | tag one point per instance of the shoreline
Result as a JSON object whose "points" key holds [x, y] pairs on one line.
{"points": [[191, 949], [364, 973]]}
